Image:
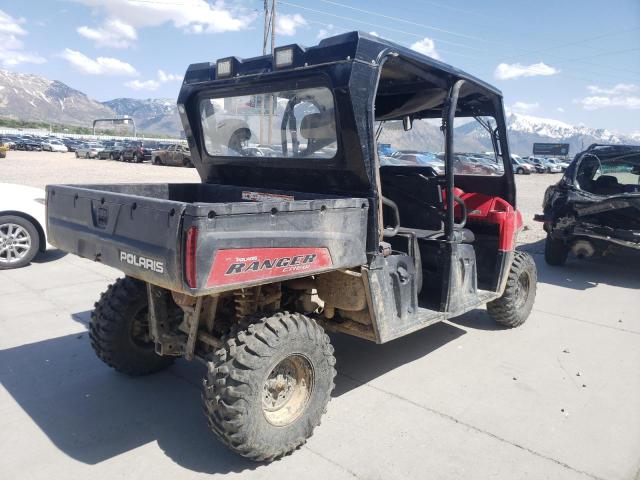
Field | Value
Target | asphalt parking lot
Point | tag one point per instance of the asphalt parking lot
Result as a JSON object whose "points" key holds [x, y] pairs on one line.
{"points": [[557, 398]]}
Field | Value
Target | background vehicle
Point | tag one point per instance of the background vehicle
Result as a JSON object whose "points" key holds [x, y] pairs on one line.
{"points": [[88, 150], [248, 269], [596, 206], [521, 167], [28, 145], [111, 151], [22, 225], [137, 151], [176, 155], [426, 159], [54, 145], [538, 167]]}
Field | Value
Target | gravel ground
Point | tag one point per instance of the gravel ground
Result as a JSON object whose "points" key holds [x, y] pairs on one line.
{"points": [[41, 168]]}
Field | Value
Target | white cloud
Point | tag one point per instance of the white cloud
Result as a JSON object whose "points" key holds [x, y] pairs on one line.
{"points": [[326, 32], [598, 102], [287, 24], [143, 85], [154, 84], [168, 77], [427, 47], [613, 97], [192, 16], [11, 25], [99, 66], [506, 71], [12, 51], [113, 33], [619, 88], [560, 109], [523, 107]]}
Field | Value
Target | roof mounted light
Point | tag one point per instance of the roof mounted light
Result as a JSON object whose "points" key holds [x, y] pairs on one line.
{"points": [[288, 56], [224, 68], [284, 57]]}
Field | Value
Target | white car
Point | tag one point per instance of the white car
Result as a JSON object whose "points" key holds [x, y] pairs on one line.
{"points": [[88, 150], [54, 146], [22, 225]]}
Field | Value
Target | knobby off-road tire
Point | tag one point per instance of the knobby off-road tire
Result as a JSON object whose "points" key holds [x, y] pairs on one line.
{"points": [[514, 306], [267, 389], [119, 330], [555, 252]]}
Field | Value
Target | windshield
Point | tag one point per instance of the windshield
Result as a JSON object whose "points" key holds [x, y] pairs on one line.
{"points": [[423, 144], [287, 124], [609, 176]]}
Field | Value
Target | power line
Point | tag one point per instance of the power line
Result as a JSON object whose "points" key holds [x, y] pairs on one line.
{"points": [[409, 22]]}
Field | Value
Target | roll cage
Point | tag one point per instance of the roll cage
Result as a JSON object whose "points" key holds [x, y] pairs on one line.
{"points": [[371, 79]]}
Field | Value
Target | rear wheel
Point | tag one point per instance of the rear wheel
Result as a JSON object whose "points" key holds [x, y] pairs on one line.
{"points": [[555, 251], [19, 242], [269, 386], [520, 171], [77, 155], [135, 158], [119, 330], [514, 306], [157, 161]]}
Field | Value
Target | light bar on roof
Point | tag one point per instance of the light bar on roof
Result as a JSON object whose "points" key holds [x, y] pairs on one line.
{"points": [[283, 57], [223, 68]]}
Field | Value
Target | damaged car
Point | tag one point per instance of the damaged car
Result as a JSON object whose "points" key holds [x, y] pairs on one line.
{"points": [[595, 208]]}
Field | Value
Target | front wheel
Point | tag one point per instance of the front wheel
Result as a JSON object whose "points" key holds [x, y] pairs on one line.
{"points": [[19, 242], [520, 171], [267, 389], [514, 306], [119, 329]]}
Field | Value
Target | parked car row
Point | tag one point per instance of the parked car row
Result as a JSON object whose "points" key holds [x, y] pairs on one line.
{"points": [[528, 165]]}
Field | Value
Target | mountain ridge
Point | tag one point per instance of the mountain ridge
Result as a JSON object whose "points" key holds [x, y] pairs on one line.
{"points": [[33, 97]]}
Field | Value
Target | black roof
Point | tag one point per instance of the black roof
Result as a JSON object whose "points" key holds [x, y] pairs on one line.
{"points": [[352, 46]]}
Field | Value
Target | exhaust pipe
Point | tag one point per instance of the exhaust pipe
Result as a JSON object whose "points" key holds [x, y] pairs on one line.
{"points": [[583, 249]]}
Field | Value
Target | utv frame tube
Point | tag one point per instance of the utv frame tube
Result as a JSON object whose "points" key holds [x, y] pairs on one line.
{"points": [[452, 102]]}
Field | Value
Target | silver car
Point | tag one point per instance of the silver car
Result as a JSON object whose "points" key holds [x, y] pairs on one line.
{"points": [[88, 150]]}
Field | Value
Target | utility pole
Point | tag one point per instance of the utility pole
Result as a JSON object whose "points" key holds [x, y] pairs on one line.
{"points": [[267, 99]]}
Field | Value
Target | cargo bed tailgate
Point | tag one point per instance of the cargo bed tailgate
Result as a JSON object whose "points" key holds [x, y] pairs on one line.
{"points": [[137, 235]]}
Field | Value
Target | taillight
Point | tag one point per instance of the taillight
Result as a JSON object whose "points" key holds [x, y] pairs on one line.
{"points": [[190, 256]]}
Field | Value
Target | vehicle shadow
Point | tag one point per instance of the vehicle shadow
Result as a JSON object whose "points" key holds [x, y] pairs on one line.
{"points": [[49, 256], [92, 413], [618, 270], [360, 361]]}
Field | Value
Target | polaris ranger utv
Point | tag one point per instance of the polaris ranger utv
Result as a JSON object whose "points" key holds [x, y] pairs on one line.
{"points": [[299, 228]]}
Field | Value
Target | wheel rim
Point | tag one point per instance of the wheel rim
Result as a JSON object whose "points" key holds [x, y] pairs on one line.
{"points": [[522, 290], [15, 243], [287, 390]]}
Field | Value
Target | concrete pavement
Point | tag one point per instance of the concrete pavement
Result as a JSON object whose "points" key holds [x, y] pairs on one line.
{"points": [[557, 398]]}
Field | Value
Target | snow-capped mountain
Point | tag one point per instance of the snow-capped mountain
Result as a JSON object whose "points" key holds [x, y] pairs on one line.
{"points": [[158, 115], [36, 98], [525, 130], [31, 97]]}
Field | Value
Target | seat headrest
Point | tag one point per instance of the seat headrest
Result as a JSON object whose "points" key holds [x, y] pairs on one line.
{"points": [[318, 126]]}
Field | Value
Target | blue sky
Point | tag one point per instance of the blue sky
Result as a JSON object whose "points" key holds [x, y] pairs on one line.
{"points": [[575, 61]]}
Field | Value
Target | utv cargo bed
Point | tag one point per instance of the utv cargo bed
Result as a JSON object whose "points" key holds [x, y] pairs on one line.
{"points": [[202, 238]]}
